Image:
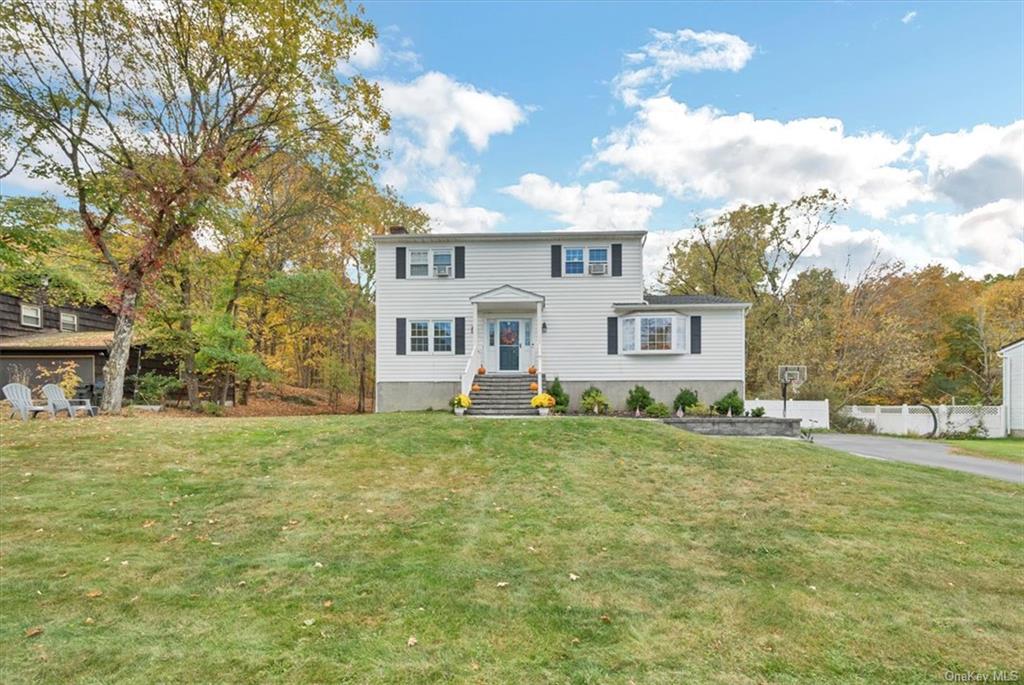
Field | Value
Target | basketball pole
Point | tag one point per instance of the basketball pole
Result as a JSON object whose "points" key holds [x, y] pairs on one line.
{"points": [[785, 388]]}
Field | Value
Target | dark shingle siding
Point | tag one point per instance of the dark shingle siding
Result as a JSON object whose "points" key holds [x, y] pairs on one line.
{"points": [[90, 318]]}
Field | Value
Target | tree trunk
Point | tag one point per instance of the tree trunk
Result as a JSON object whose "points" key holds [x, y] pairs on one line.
{"points": [[120, 347], [189, 360]]}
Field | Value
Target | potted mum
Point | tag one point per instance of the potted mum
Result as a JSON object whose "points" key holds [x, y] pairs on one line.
{"points": [[460, 403], [542, 403]]}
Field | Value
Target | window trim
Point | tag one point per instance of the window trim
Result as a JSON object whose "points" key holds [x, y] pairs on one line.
{"points": [[409, 262], [38, 316], [680, 333], [73, 318], [430, 336], [586, 259], [431, 252]]}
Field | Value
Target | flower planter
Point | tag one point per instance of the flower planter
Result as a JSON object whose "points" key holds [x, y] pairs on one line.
{"points": [[543, 411], [459, 411]]}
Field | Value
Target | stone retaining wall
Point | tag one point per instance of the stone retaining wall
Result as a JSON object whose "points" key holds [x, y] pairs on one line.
{"points": [[738, 426]]}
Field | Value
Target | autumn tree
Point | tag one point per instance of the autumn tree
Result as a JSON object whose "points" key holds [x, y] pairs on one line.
{"points": [[147, 111]]}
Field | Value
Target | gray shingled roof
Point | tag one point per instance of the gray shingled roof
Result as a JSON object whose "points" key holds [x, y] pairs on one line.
{"points": [[691, 299]]}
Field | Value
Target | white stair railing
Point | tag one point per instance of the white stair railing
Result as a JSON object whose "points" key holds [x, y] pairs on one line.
{"points": [[468, 373]]}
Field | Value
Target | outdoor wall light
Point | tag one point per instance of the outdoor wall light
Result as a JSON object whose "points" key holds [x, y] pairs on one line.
{"points": [[544, 327]]}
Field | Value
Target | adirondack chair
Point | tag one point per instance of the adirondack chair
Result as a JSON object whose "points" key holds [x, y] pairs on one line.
{"points": [[20, 398], [56, 401]]}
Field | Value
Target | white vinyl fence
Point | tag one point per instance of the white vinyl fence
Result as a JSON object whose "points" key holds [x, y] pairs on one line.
{"points": [[916, 419], [812, 413]]}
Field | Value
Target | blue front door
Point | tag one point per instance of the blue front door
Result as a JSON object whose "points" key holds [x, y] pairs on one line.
{"points": [[508, 346]]}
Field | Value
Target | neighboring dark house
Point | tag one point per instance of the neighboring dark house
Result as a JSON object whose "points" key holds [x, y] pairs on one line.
{"points": [[35, 337]]}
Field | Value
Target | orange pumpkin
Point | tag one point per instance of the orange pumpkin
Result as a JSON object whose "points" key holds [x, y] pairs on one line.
{"points": [[532, 370], [476, 387], [534, 386], [481, 371]]}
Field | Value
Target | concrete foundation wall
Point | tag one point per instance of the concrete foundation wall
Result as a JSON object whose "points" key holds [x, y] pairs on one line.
{"points": [[415, 395], [743, 426], [420, 395], [663, 391]]}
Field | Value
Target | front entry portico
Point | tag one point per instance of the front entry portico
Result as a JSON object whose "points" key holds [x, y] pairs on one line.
{"points": [[508, 329]]}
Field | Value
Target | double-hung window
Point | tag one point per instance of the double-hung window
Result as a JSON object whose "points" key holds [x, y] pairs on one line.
{"points": [[419, 263], [654, 334], [443, 263], [431, 336], [574, 261], [68, 321], [31, 315], [597, 257], [442, 336]]}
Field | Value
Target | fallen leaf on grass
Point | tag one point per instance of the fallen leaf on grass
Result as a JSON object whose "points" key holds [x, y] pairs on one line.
{"points": [[92, 594], [308, 622], [34, 631], [573, 577], [148, 524], [606, 618], [411, 642], [89, 621], [328, 603], [502, 584]]}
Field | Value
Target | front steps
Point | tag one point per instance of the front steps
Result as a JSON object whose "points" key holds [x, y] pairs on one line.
{"points": [[503, 395]]}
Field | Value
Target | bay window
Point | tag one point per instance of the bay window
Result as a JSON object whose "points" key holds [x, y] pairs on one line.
{"points": [[654, 334]]}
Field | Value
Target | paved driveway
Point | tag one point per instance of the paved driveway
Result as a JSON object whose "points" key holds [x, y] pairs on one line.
{"points": [[923, 452]]}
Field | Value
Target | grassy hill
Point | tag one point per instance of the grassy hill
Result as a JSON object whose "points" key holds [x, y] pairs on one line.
{"points": [[417, 548]]}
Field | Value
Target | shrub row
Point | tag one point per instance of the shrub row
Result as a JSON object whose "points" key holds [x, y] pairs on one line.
{"points": [[593, 401]]}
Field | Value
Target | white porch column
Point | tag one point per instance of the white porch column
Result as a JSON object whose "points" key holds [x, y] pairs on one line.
{"points": [[476, 328], [540, 347]]}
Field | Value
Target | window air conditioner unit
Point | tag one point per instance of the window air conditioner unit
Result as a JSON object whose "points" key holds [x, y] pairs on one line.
{"points": [[598, 269], [443, 271]]}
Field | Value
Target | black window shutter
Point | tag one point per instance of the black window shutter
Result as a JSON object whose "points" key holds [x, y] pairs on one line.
{"points": [[460, 262], [399, 336], [616, 259], [613, 335], [460, 335], [694, 335], [556, 261], [400, 264]]}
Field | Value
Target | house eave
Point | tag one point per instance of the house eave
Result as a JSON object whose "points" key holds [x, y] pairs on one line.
{"points": [[568, 236]]}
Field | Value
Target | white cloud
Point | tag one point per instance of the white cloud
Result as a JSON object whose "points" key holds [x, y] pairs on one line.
{"points": [[367, 55], [595, 206], [706, 153], [909, 17], [987, 239], [685, 50], [448, 219], [978, 166], [431, 115]]}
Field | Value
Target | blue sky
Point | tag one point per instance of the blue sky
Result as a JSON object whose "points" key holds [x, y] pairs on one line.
{"points": [[527, 116]]}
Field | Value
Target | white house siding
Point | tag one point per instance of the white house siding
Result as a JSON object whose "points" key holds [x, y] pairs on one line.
{"points": [[1013, 387], [576, 312]]}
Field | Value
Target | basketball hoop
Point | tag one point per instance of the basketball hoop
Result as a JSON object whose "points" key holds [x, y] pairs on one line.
{"points": [[791, 375]]}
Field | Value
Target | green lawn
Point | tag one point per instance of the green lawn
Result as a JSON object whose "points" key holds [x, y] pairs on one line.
{"points": [[312, 549], [1007, 449]]}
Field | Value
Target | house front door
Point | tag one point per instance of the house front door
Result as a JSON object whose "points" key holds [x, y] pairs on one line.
{"points": [[508, 345]]}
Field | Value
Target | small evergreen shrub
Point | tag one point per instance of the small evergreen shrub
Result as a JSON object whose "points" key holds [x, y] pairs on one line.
{"points": [[639, 398], [560, 395], [699, 409], [731, 401], [153, 388], [212, 409], [757, 412], [593, 401], [684, 400], [658, 410]]}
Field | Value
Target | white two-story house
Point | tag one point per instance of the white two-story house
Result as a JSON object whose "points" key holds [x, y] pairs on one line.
{"points": [[570, 304]]}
